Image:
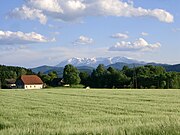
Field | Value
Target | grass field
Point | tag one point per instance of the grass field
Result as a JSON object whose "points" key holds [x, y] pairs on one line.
{"points": [[73, 111]]}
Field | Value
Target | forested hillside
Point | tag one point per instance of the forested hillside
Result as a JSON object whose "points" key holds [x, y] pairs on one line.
{"points": [[10, 72]]}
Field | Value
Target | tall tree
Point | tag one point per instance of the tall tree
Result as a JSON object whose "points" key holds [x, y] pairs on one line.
{"points": [[98, 77], [84, 78], [71, 75]]}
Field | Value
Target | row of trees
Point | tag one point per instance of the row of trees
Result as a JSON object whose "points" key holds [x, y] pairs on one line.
{"points": [[139, 77]]}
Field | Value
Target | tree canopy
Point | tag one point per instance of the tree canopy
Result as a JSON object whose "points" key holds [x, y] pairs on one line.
{"points": [[138, 77], [71, 75]]}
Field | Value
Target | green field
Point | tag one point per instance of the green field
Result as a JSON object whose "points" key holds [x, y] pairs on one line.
{"points": [[73, 111]]}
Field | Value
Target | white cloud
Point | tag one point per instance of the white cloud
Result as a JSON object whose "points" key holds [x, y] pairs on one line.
{"points": [[138, 45], [29, 13], [9, 38], [83, 40], [75, 5], [120, 36], [162, 15], [70, 10], [144, 34], [46, 5]]}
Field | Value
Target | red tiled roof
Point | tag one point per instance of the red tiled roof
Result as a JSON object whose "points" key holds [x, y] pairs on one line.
{"points": [[31, 79]]}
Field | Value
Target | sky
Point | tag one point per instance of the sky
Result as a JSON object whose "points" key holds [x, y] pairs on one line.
{"points": [[45, 32]]}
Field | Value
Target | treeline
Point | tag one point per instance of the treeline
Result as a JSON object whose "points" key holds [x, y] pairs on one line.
{"points": [[10, 72], [50, 79], [142, 77], [147, 76]]}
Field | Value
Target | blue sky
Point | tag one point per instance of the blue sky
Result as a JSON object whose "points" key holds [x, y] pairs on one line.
{"points": [[45, 32]]}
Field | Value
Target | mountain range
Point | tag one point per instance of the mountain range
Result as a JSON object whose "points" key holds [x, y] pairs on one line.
{"points": [[88, 64], [94, 62]]}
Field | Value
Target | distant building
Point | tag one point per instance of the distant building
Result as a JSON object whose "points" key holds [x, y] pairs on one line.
{"points": [[29, 82], [10, 83], [57, 82]]}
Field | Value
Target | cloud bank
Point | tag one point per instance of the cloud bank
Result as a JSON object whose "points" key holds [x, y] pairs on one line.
{"points": [[10, 38], [71, 10], [29, 13], [139, 45]]}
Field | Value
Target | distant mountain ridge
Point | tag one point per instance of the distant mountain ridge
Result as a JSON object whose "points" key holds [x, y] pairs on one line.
{"points": [[47, 69], [94, 62], [88, 64]]}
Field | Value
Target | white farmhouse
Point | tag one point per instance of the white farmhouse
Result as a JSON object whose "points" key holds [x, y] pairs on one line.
{"points": [[29, 82]]}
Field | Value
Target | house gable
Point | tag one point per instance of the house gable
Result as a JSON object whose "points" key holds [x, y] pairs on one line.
{"points": [[30, 82]]}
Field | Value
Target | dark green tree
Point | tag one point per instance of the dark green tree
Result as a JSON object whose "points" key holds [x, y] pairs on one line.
{"points": [[98, 79], [53, 75], [71, 75], [84, 76]]}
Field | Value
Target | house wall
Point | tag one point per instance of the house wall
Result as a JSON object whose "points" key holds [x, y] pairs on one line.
{"points": [[39, 86], [20, 84]]}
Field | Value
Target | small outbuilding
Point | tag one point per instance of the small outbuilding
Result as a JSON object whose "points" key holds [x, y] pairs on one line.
{"points": [[29, 82], [10, 83]]}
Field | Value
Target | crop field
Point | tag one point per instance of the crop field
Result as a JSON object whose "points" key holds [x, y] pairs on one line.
{"points": [[86, 112]]}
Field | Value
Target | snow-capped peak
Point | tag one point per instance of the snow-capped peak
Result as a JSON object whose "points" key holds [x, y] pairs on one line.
{"points": [[94, 62]]}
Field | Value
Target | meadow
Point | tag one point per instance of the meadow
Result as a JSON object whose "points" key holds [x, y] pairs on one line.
{"points": [[86, 112]]}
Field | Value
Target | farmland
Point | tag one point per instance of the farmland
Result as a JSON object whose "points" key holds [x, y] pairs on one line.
{"points": [[79, 111]]}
